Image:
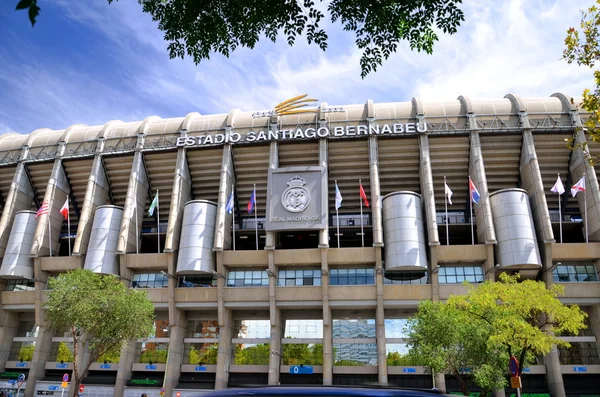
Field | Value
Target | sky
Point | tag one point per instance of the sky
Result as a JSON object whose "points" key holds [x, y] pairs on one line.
{"points": [[87, 62]]}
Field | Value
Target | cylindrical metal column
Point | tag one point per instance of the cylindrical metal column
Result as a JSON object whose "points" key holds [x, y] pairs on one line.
{"points": [[16, 262], [197, 238], [102, 249]]}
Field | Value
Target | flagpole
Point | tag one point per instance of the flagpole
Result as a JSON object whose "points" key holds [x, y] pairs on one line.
{"points": [[69, 225], [255, 216], [158, 220], [49, 232], [362, 230], [233, 216], [471, 210], [585, 209], [559, 213], [446, 204], [137, 231], [337, 215]]}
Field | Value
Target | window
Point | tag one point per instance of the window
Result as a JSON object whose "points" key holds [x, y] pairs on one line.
{"points": [[460, 274], [202, 329], [149, 280], [303, 329], [247, 278], [400, 278], [302, 353], [201, 353], [352, 276], [20, 285], [579, 353], [251, 329], [348, 328], [152, 353], [575, 273], [205, 280], [290, 278], [354, 354], [251, 354]]}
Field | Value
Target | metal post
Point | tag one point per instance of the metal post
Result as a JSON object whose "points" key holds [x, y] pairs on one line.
{"points": [[49, 233], [233, 216], [471, 210], [158, 220], [559, 214], [362, 230], [585, 209], [256, 216], [446, 205], [69, 224]]}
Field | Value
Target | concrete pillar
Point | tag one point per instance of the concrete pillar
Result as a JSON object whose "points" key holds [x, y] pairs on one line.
{"points": [[482, 211], [375, 191], [439, 382], [182, 193], [595, 323], [324, 162], [9, 324], [176, 350], [124, 369], [531, 180], [43, 343], [56, 194], [223, 237], [96, 194], [19, 198], [273, 164], [489, 266], [427, 191], [135, 203], [275, 322], [435, 269], [224, 352], [580, 163], [327, 322], [380, 321]]}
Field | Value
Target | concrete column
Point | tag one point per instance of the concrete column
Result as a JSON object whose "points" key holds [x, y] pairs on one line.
{"points": [[176, 350], [135, 203], [182, 193], [375, 190], [439, 382], [435, 269], [489, 265], [224, 352], [19, 198], [531, 179], [275, 322], [580, 163], [380, 321], [9, 324], [56, 194], [482, 211], [124, 369], [324, 162], [273, 164], [223, 237], [427, 191], [37, 371], [595, 323], [327, 322], [96, 194]]}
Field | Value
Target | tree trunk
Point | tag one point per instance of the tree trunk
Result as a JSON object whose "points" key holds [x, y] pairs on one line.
{"points": [[461, 381]]}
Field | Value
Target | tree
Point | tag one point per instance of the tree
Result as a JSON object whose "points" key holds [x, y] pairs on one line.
{"points": [[583, 48], [101, 313], [446, 340], [200, 28], [522, 318]]}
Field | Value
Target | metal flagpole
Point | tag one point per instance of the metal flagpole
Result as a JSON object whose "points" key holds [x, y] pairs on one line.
{"points": [[233, 216], [471, 209], [69, 225], [337, 215], [256, 216], [559, 213], [362, 230], [585, 209], [446, 204], [158, 220], [137, 231]]}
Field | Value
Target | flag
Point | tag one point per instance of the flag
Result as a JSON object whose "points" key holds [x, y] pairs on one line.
{"points": [[252, 201], [558, 186], [448, 192], [363, 195], [153, 205], [229, 206], [338, 197], [578, 187], [43, 210], [65, 209], [473, 192]]}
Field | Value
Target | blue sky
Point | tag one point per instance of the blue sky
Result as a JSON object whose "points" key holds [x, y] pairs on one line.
{"points": [[89, 62]]}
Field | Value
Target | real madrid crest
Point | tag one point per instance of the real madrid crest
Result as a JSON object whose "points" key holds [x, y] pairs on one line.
{"points": [[295, 198]]}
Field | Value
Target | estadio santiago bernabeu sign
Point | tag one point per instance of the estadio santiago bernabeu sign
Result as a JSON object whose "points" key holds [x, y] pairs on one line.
{"points": [[294, 106], [295, 199]]}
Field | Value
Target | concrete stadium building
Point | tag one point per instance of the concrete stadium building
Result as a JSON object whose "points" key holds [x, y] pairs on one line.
{"points": [[232, 316]]}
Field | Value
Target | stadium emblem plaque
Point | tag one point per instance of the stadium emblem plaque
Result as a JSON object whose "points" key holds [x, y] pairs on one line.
{"points": [[295, 198]]}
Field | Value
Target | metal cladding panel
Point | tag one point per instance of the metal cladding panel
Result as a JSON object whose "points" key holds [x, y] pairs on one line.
{"points": [[515, 232], [404, 232], [101, 253], [197, 238], [17, 262]]}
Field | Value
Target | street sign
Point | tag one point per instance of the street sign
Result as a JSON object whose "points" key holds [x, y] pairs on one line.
{"points": [[301, 369], [62, 366], [81, 388], [64, 385], [409, 370], [65, 377], [178, 394], [579, 369], [162, 391], [515, 382], [150, 366], [21, 364], [21, 378], [513, 365], [201, 368]]}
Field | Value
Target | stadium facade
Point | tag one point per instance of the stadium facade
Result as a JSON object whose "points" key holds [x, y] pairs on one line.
{"points": [[248, 289]]}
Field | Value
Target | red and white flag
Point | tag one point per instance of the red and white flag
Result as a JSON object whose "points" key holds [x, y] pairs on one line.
{"points": [[363, 195], [65, 209], [578, 187], [42, 210]]}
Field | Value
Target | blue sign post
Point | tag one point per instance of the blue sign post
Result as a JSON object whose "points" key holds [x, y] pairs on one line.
{"points": [[301, 370]]}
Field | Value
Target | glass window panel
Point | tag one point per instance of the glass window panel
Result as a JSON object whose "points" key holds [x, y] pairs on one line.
{"points": [[451, 279], [318, 281]]}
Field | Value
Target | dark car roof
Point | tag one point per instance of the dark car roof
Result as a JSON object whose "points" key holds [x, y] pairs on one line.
{"points": [[322, 391]]}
